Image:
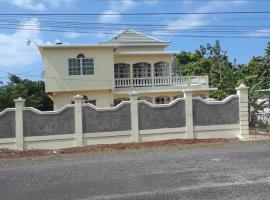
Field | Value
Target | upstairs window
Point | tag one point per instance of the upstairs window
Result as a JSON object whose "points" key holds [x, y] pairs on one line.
{"points": [[80, 65]]}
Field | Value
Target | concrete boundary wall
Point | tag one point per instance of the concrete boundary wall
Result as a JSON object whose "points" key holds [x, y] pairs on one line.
{"points": [[223, 112], [173, 121], [7, 123], [96, 119]]}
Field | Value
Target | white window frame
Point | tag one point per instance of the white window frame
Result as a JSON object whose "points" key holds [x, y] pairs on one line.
{"points": [[81, 57]]}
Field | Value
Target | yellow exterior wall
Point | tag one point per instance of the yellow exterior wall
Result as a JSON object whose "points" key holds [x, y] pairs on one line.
{"points": [[99, 86], [103, 98], [56, 69], [154, 95]]}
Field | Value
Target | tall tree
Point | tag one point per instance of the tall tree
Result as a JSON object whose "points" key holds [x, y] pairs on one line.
{"points": [[32, 91]]}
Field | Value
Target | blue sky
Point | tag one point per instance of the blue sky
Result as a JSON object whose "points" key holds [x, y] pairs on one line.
{"points": [[26, 61]]}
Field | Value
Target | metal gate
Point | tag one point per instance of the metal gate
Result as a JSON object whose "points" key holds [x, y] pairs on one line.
{"points": [[260, 124]]}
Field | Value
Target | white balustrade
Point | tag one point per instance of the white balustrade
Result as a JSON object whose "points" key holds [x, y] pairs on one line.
{"points": [[157, 81]]}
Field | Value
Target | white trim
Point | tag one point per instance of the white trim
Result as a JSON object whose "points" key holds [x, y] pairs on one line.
{"points": [[6, 110], [216, 127], [101, 45], [181, 130], [49, 137], [217, 102], [146, 52], [108, 108], [106, 134], [161, 89], [49, 112], [7, 140]]}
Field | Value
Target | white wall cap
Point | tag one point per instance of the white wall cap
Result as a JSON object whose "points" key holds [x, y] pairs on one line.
{"points": [[20, 99], [133, 93], [242, 87], [187, 91], [78, 97]]}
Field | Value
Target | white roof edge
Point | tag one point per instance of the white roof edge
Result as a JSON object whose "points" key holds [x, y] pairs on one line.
{"points": [[99, 45], [146, 52], [161, 90], [161, 41]]}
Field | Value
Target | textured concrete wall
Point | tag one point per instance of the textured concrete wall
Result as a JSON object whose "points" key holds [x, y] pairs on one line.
{"points": [[161, 117], [48, 124], [215, 114], [107, 120], [7, 125]]}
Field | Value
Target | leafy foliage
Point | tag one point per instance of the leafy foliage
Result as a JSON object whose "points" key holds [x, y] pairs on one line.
{"points": [[32, 91], [211, 60]]}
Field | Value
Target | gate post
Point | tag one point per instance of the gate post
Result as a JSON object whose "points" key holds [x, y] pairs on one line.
{"points": [[19, 105], [189, 114], [134, 116], [242, 92], [78, 120]]}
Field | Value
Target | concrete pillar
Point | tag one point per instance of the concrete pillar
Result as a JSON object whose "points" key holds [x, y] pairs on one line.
{"points": [[189, 114], [19, 105], [242, 92], [152, 74], [134, 116], [78, 120]]}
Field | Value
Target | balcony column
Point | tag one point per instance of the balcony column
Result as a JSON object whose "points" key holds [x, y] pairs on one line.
{"points": [[170, 73], [131, 74], [152, 74]]}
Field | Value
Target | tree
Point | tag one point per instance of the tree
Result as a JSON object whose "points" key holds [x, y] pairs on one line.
{"points": [[32, 91]]}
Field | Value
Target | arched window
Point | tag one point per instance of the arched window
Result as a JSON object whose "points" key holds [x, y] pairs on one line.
{"points": [[119, 100], [141, 70], [121, 70], [80, 65], [162, 100], [161, 69], [80, 55]]}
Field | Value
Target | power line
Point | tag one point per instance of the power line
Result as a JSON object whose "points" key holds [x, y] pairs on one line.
{"points": [[161, 35], [135, 14]]}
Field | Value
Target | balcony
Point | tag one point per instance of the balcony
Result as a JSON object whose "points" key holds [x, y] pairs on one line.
{"points": [[162, 81]]}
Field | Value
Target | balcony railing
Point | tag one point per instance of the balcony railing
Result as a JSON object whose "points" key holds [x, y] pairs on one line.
{"points": [[162, 81]]}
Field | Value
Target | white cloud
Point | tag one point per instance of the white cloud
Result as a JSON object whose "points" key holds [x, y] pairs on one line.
{"points": [[151, 2], [108, 17], [192, 21], [116, 7], [38, 5], [73, 35], [16, 53], [57, 3], [259, 33], [28, 4]]}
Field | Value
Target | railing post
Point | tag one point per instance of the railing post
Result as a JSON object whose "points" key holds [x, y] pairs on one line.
{"points": [[134, 116], [242, 92], [78, 120], [189, 81], [19, 105], [206, 81], [189, 114]]}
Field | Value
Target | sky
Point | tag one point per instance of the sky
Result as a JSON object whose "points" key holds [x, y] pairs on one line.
{"points": [[18, 58]]}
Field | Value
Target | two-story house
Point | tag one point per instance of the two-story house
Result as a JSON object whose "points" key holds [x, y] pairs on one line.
{"points": [[107, 72]]}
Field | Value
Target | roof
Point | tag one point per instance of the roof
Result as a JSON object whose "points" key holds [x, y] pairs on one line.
{"points": [[133, 37], [126, 38]]}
